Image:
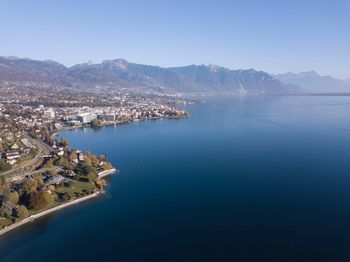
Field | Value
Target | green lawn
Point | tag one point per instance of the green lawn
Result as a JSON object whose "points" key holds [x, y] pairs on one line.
{"points": [[78, 187]]}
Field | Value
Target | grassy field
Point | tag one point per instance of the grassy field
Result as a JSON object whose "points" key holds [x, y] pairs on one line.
{"points": [[77, 187]]}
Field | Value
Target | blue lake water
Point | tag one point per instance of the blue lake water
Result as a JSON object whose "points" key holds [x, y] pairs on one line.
{"points": [[256, 178]]}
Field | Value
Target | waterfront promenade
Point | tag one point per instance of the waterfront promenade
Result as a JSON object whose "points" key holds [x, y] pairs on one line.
{"points": [[54, 209]]}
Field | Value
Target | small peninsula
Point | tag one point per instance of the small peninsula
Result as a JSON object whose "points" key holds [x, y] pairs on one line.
{"points": [[40, 173]]}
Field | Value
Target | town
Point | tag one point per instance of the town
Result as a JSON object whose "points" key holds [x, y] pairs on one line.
{"points": [[41, 172]]}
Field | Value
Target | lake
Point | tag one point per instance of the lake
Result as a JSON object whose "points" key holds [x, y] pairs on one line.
{"points": [[254, 178]]}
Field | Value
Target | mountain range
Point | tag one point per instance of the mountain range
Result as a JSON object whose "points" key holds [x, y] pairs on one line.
{"points": [[312, 82], [121, 74]]}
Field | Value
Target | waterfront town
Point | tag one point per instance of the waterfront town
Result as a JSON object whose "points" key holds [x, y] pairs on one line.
{"points": [[41, 172]]}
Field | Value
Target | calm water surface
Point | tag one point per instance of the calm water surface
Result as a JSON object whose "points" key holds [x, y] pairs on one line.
{"points": [[262, 178]]}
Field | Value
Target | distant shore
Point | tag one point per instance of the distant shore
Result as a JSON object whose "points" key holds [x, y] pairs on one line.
{"points": [[54, 209], [117, 123]]}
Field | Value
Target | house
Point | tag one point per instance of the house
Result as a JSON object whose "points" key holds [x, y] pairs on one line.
{"points": [[81, 156], [60, 151], [12, 155], [56, 180], [12, 161]]}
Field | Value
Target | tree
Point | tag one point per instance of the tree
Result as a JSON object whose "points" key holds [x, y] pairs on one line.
{"points": [[63, 161], [4, 166], [40, 200], [50, 140], [40, 181], [68, 196], [3, 181], [21, 212], [96, 122], [14, 197], [64, 142], [88, 168], [49, 163], [94, 160], [51, 172], [100, 183], [8, 196], [6, 209], [69, 183], [34, 151], [28, 187], [106, 166], [73, 155], [92, 177]]}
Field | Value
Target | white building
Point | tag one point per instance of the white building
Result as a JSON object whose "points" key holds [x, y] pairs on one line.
{"points": [[86, 117], [49, 113]]}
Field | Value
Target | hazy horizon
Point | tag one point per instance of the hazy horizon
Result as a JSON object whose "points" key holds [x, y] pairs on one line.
{"points": [[135, 62], [289, 36]]}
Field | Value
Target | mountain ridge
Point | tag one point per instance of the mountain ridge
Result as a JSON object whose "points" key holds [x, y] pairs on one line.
{"points": [[313, 82], [122, 74]]}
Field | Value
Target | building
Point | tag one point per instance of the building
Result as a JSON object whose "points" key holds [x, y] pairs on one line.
{"points": [[60, 151], [86, 117], [107, 117], [11, 157], [49, 113]]}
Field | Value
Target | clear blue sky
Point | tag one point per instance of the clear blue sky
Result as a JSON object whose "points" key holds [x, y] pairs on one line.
{"points": [[271, 35]]}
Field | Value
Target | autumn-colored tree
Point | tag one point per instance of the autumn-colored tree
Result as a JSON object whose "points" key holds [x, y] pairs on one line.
{"points": [[40, 200], [21, 212], [73, 155], [94, 160], [100, 183], [87, 162], [40, 181], [14, 197], [51, 188], [107, 166], [28, 187]]}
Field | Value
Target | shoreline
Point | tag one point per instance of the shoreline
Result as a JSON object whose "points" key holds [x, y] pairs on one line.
{"points": [[32, 218], [119, 123]]}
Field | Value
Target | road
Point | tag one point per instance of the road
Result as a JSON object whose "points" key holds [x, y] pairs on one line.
{"points": [[42, 147]]}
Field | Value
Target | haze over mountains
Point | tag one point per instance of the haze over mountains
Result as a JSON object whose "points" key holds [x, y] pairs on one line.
{"points": [[121, 74], [311, 82]]}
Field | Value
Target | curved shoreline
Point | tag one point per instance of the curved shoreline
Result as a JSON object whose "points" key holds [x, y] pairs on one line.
{"points": [[54, 209]]}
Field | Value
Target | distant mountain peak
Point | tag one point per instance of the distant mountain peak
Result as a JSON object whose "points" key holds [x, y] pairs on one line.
{"points": [[312, 82], [118, 63], [121, 74]]}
